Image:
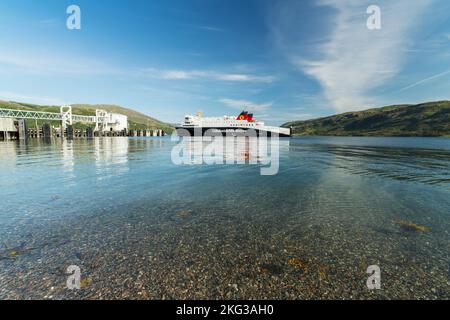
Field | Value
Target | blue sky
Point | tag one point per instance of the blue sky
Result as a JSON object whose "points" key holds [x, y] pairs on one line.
{"points": [[285, 60]]}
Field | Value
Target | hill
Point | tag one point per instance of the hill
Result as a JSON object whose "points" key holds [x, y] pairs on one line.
{"points": [[425, 119], [136, 120]]}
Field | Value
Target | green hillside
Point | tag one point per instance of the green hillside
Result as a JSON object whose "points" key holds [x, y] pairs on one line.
{"points": [[136, 120], [426, 119]]}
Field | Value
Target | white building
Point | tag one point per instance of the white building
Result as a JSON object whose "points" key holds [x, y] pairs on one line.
{"points": [[106, 121], [117, 122], [7, 125]]}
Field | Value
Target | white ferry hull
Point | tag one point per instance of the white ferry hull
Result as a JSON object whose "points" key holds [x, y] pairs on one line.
{"points": [[243, 125], [212, 131]]}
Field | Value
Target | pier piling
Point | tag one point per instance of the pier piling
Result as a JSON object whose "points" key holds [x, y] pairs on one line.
{"points": [[90, 132], [46, 130], [22, 128], [69, 132]]}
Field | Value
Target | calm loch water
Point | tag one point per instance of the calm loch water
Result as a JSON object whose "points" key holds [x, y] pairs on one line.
{"points": [[141, 227]]}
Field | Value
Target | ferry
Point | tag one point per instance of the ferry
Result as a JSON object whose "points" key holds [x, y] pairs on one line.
{"points": [[229, 125]]}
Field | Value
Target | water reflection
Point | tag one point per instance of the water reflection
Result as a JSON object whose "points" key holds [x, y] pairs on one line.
{"points": [[219, 150], [431, 166], [111, 150], [67, 156], [129, 211], [8, 153], [229, 150]]}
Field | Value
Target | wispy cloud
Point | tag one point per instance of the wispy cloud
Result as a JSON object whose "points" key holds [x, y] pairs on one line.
{"points": [[175, 74], [210, 28], [354, 60], [418, 83], [206, 74], [182, 93], [244, 104], [243, 77], [12, 96], [61, 64], [40, 62]]}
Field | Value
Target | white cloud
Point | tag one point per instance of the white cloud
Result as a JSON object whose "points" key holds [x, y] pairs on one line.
{"points": [[244, 77], [234, 77], [205, 74], [244, 104], [175, 74], [354, 60]]}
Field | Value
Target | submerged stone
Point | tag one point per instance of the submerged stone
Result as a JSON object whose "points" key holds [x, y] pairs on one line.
{"points": [[270, 268]]}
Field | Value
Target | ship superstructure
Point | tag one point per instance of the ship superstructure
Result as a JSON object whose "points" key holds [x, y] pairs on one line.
{"points": [[229, 125]]}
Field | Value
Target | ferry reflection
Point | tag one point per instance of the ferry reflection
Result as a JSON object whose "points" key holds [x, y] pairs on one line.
{"points": [[218, 150]]}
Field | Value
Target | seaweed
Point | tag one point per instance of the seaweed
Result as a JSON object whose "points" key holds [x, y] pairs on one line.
{"points": [[411, 226], [185, 213], [323, 271], [304, 266]]}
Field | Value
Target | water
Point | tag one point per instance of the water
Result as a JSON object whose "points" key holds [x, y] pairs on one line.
{"points": [[140, 227]]}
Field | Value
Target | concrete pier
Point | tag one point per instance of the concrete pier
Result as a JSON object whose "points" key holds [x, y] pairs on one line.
{"points": [[17, 129], [22, 129], [34, 133], [5, 135], [107, 124]]}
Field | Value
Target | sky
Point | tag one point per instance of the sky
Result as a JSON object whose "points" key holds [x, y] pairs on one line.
{"points": [[283, 60]]}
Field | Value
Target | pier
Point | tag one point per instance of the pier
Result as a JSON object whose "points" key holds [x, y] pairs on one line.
{"points": [[13, 125]]}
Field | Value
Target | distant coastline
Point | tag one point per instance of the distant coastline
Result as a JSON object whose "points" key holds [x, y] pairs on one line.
{"points": [[431, 119]]}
